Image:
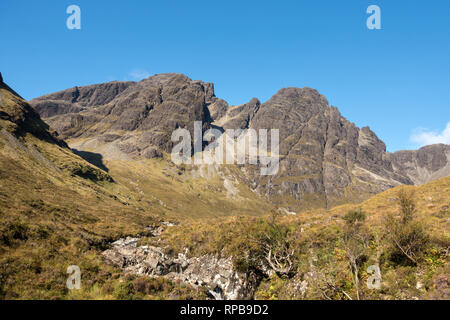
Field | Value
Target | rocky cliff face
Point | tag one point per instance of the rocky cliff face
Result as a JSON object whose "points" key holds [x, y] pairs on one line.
{"points": [[324, 159], [424, 165], [135, 119], [323, 156]]}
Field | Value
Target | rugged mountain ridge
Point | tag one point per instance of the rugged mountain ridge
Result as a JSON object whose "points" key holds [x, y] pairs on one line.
{"points": [[424, 165], [324, 159], [135, 119]]}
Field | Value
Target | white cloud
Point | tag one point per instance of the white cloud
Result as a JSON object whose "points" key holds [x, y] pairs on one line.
{"points": [[423, 137], [139, 74]]}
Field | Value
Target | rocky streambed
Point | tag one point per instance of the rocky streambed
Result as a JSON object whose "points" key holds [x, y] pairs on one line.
{"points": [[215, 273]]}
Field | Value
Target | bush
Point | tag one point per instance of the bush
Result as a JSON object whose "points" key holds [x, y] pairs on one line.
{"points": [[355, 241], [268, 244], [408, 241], [407, 205], [147, 286], [355, 216], [13, 231], [407, 238], [123, 291]]}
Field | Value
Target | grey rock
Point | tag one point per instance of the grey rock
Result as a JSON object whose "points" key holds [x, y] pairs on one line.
{"points": [[215, 273], [424, 165], [138, 115]]}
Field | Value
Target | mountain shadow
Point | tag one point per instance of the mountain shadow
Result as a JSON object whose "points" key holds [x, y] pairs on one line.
{"points": [[93, 158]]}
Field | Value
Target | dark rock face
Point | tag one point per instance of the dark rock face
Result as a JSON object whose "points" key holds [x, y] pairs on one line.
{"points": [[423, 165], [79, 98], [238, 117], [324, 159], [138, 118]]}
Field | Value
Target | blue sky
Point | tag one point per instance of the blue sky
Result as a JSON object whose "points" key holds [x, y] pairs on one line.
{"points": [[395, 80]]}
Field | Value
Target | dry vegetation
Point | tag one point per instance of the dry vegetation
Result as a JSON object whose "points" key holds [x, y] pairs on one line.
{"points": [[402, 231], [58, 210]]}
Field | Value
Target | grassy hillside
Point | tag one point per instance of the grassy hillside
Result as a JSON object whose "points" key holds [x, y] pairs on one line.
{"points": [[57, 210], [188, 195], [324, 241], [432, 201]]}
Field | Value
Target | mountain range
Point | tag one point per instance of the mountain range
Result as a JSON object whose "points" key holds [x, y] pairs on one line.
{"points": [[325, 160]]}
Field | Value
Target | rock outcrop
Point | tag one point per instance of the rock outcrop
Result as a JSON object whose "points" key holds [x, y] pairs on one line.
{"points": [[323, 156], [216, 274]]}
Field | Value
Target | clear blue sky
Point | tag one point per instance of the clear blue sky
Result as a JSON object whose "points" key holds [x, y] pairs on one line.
{"points": [[394, 80]]}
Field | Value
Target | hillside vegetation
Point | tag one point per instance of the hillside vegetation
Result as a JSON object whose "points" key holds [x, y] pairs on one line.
{"points": [[57, 210], [326, 254]]}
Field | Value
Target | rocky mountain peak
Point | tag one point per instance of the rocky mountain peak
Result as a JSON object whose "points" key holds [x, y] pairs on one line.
{"points": [[301, 97], [133, 118]]}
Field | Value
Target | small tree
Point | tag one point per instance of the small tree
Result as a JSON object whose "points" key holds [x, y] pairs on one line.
{"points": [[278, 252], [355, 240], [354, 217], [406, 236], [272, 246], [407, 205]]}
